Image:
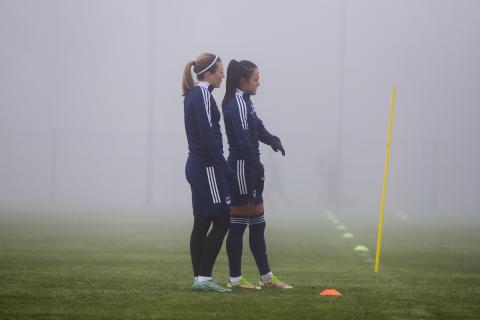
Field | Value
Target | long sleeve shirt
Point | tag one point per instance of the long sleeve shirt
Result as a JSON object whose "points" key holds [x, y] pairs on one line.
{"points": [[202, 126], [244, 129]]}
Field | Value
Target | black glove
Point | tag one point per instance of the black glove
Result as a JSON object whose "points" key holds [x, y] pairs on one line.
{"points": [[260, 179], [277, 145]]}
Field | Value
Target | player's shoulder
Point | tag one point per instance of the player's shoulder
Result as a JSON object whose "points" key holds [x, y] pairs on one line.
{"points": [[195, 92], [196, 95], [231, 104]]}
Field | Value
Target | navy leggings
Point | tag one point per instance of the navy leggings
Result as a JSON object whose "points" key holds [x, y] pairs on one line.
{"points": [[204, 245]]}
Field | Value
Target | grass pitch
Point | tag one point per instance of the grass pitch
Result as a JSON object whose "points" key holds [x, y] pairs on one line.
{"points": [[137, 266]]}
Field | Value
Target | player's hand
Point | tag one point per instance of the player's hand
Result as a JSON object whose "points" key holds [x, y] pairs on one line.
{"points": [[277, 145]]}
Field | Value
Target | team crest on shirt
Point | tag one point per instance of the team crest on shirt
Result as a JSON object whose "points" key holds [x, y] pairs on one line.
{"points": [[254, 193], [228, 200]]}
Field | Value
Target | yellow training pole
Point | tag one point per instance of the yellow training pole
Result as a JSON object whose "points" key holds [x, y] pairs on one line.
{"points": [[384, 188]]}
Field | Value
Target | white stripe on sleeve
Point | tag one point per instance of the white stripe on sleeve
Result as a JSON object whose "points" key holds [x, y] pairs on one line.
{"points": [[206, 101], [242, 112]]}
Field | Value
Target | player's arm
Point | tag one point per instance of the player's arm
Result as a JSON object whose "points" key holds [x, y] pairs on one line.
{"points": [[203, 121], [268, 138], [239, 123]]}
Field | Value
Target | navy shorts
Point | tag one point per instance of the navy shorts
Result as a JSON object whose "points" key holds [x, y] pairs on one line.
{"points": [[210, 194], [244, 187]]}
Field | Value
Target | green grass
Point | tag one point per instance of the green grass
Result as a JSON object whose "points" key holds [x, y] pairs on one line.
{"points": [[137, 266]]}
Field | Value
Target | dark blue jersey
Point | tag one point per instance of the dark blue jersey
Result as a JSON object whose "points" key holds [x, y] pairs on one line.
{"points": [[244, 129], [202, 126]]}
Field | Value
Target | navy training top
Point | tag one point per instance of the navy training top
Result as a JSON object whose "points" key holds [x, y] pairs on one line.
{"points": [[244, 129], [202, 126]]}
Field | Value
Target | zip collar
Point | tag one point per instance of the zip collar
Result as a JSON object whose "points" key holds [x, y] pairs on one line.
{"points": [[205, 85], [242, 93]]}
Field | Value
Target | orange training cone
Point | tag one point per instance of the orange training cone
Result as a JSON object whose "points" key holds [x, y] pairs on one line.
{"points": [[330, 292]]}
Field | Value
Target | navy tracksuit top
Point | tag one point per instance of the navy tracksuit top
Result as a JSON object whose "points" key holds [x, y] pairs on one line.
{"points": [[202, 126], [244, 129]]}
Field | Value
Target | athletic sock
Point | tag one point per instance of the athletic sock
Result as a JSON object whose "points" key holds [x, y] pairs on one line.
{"points": [[235, 279], [266, 277], [203, 279], [257, 243], [235, 245]]}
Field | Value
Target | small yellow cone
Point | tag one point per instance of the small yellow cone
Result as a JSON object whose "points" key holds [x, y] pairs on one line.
{"points": [[348, 235], [361, 248]]}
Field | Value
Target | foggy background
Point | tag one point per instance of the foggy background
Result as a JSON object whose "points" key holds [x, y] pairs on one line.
{"points": [[91, 113]]}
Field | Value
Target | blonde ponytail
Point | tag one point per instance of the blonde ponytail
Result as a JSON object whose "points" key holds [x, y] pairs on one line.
{"points": [[188, 83]]}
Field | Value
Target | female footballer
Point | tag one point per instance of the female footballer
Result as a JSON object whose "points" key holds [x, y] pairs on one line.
{"points": [[244, 131], [206, 169]]}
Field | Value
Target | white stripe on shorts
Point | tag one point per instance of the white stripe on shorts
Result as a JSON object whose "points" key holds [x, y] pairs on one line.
{"points": [[241, 176], [212, 182], [212, 169]]}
